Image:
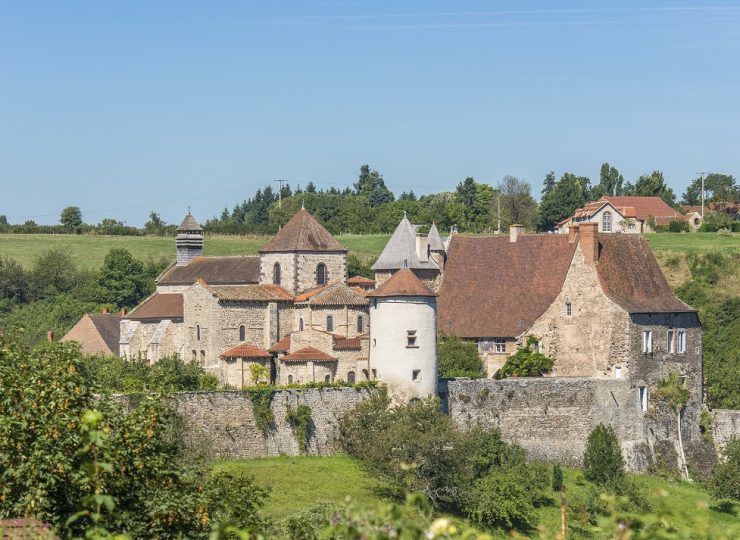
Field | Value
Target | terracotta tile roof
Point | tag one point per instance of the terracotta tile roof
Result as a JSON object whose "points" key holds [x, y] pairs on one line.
{"points": [[643, 206], [360, 280], [338, 294], [631, 277], [97, 333], [281, 346], [215, 270], [245, 350], [302, 233], [402, 283], [308, 354], [304, 297], [496, 288], [250, 293], [159, 306], [342, 343], [108, 326]]}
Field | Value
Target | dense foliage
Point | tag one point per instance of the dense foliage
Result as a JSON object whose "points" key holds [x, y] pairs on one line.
{"points": [[725, 483], [77, 462], [300, 421], [458, 358], [527, 361], [602, 462]]}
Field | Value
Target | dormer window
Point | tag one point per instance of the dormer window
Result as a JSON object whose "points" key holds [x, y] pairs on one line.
{"points": [[276, 274], [321, 274]]}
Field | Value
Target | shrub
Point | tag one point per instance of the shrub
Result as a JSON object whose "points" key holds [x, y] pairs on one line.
{"points": [[261, 398], [299, 419], [459, 358], [714, 221], [678, 225], [557, 478], [602, 462], [234, 499], [725, 482], [527, 362], [501, 499]]}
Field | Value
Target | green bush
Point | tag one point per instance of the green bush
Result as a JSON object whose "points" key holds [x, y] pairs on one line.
{"points": [[527, 362], [459, 358], [501, 498], [714, 221], [602, 461], [299, 419], [678, 225], [261, 398], [557, 478], [725, 482]]}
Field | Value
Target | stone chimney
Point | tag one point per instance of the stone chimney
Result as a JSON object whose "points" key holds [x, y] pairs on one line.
{"points": [[189, 240], [572, 230], [589, 240], [123, 312], [50, 336], [105, 310], [515, 231]]}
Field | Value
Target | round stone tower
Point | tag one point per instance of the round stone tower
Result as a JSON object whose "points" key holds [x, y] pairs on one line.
{"points": [[189, 240], [403, 337]]}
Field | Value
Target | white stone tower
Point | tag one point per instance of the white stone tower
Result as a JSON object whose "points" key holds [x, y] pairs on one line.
{"points": [[189, 240], [403, 337]]}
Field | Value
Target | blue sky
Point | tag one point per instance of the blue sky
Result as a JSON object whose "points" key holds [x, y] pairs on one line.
{"points": [[122, 108]]}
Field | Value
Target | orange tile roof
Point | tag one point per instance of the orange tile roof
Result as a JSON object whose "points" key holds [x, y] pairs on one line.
{"points": [[281, 346], [250, 293], [159, 306], [402, 283], [360, 280], [643, 206], [303, 232], [308, 354], [245, 350], [342, 343]]}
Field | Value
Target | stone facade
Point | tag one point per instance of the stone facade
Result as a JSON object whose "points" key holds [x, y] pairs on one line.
{"points": [[288, 267], [725, 426]]}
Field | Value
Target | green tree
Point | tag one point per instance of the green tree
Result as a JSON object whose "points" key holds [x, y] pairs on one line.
{"points": [[549, 184], [54, 272], [13, 281], [370, 184], [156, 226], [557, 478], [611, 182], [562, 201], [527, 361], [653, 185], [673, 392], [3, 220], [476, 200], [71, 218], [122, 280], [602, 461], [458, 358], [725, 482], [717, 188], [517, 204]]}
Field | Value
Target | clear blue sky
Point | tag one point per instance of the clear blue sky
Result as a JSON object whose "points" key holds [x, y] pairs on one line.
{"points": [[125, 107]]}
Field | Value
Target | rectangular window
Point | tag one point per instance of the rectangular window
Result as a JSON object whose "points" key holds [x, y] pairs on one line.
{"points": [[416, 375], [485, 346], [681, 335], [411, 338], [568, 309], [647, 341], [618, 372], [499, 345], [643, 398], [671, 343]]}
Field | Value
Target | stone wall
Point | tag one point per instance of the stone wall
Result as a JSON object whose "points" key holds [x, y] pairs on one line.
{"points": [[552, 417], [307, 263], [223, 423], [725, 426]]}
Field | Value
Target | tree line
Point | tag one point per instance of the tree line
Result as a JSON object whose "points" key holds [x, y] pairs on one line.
{"points": [[368, 206]]}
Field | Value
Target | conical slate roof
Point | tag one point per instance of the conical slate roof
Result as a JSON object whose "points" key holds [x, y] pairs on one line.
{"points": [[189, 224], [400, 251], [403, 283], [302, 233], [435, 240]]}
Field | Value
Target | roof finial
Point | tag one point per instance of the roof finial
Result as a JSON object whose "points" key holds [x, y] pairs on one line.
{"points": [[188, 209], [404, 214]]}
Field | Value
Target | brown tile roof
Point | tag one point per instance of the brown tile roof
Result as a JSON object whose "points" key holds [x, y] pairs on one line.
{"points": [[25, 529], [403, 283], [302, 233], [159, 306], [360, 280], [250, 293], [215, 270], [97, 333], [310, 294], [308, 354], [108, 326], [281, 346], [342, 343], [245, 350], [631, 277], [338, 294], [496, 288], [643, 206]]}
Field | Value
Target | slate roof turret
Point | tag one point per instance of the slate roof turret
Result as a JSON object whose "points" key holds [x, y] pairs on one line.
{"points": [[435, 240], [400, 251], [303, 233], [189, 224]]}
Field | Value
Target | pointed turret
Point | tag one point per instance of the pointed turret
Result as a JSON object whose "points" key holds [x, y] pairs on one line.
{"points": [[435, 240], [400, 251], [189, 240]]}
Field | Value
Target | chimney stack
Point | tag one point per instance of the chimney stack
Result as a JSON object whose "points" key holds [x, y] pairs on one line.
{"points": [[515, 231], [589, 241], [105, 309], [50, 336], [572, 231], [123, 312]]}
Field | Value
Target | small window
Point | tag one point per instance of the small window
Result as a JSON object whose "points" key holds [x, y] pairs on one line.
{"points": [[568, 309], [327, 378], [411, 338], [647, 341], [606, 222], [671, 343], [360, 324], [351, 377], [321, 275], [618, 372], [499, 345], [485, 346], [330, 324], [300, 324], [194, 356], [202, 358], [197, 332], [375, 342], [416, 375], [242, 333], [290, 379], [365, 375], [681, 338], [643, 398], [276, 274]]}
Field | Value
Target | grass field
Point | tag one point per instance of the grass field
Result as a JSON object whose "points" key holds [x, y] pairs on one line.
{"points": [[296, 482], [693, 242]]}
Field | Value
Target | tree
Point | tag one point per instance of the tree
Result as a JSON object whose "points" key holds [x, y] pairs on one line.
{"points": [[653, 185], [725, 482], [517, 204], [410, 196], [310, 187], [562, 201], [370, 184], [53, 272], [673, 391], [71, 218], [557, 478], [476, 200], [602, 461], [717, 188], [611, 182], [3, 220], [527, 361], [549, 184], [458, 358], [13, 281], [156, 225], [122, 280]]}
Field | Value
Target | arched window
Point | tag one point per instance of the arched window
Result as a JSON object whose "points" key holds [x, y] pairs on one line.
{"points": [[242, 333], [606, 222], [330, 324], [360, 324], [365, 375], [195, 356], [327, 378], [197, 332], [351, 377], [321, 274], [300, 324], [276, 274], [290, 379], [202, 358]]}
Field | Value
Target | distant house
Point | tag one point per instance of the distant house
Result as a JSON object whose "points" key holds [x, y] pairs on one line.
{"points": [[627, 214], [97, 333]]}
